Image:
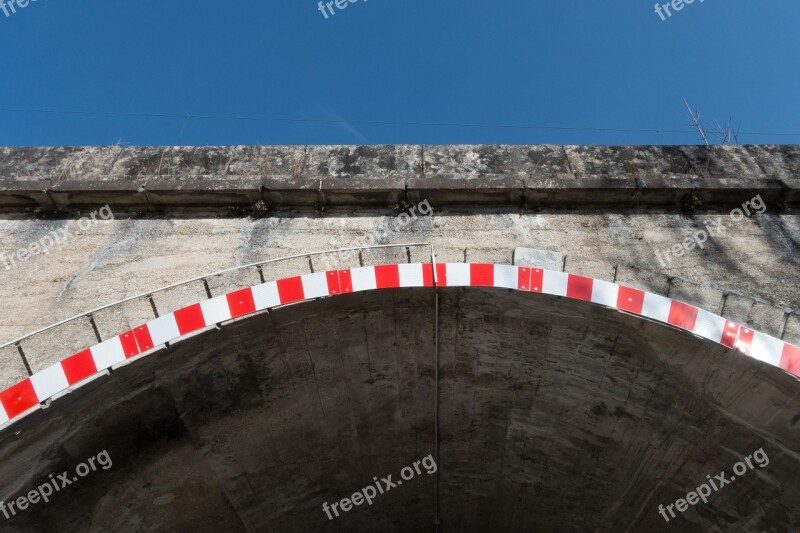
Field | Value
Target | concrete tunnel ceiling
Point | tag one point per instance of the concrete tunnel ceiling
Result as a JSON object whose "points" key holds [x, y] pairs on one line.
{"points": [[554, 414]]}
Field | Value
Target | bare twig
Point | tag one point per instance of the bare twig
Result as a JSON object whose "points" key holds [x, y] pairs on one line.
{"points": [[697, 123], [724, 134]]}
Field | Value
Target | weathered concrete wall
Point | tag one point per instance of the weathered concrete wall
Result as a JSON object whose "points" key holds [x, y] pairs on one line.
{"points": [[749, 274]]}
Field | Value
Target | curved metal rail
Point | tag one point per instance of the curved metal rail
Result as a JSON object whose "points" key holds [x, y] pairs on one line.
{"points": [[148, 294]]}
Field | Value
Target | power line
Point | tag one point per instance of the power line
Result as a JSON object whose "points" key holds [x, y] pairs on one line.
{"points": [[371, 122]]}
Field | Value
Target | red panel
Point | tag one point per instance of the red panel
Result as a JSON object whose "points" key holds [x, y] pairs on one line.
{"points": [[143, 339], [537, 279], [241, 302], [481, 275], [345, 281], [790, 359], [745, 340], [729, 334], [524, 279], [630, 299], [387, 276], [682, 315], [79, 366], [189, 319], [129, 346], [19, 398], [427, 275], [441, 274], [332, 277], [579, 287], [290, 290]]}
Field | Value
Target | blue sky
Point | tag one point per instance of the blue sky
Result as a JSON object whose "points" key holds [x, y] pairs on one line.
{"points": [[561, 64]]}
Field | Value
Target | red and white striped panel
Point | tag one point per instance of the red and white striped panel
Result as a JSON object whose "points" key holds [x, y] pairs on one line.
{"points": [[75, 370]]}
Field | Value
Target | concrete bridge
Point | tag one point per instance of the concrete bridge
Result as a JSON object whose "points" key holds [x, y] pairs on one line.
{"points": [[577, 336]]}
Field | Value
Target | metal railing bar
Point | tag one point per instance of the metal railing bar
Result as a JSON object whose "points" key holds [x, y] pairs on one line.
{"points": [[203, 277]]}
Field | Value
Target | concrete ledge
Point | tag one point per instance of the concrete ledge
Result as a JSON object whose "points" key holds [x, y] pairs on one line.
{"points": [[535, 176]]}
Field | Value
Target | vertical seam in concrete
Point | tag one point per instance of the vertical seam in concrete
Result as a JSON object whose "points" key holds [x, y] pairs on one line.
{"points": [[637, 194], [569, 163], [313, 373], [303, 160], [689, 166], [160, 162], [53, 203], [422, 160], [114, 161], [436, 391], [143, 190]]}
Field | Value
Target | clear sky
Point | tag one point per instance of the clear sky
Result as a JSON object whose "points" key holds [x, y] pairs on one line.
{"points": [[137, 69]]}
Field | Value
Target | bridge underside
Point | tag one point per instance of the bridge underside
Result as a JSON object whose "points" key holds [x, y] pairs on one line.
{"points": [[554, 415]]}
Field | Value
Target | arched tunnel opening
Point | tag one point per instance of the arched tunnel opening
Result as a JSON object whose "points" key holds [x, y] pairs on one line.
{"points": [[522, 413]]}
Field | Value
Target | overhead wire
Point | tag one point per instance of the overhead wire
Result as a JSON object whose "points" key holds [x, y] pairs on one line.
{"points": [[376, 122]]}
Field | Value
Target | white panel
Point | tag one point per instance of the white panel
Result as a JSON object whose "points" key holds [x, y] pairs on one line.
{"points": [[265, 295], [605, 293], [709, 326], [555, 283], [109, 353], [49, 381], [216, 310], [163, 329], [457, 274], [656, 307], [315, 285], [363, 278], [506, 276], [411, 275], [766, 348]]}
